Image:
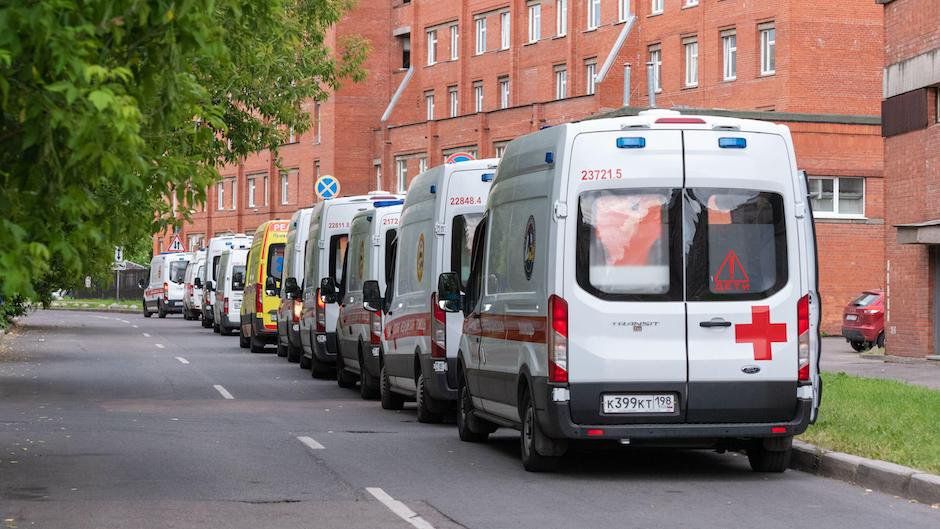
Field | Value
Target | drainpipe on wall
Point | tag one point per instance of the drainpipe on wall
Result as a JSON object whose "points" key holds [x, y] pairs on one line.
{"points": [[615, 50], [397, 95]]}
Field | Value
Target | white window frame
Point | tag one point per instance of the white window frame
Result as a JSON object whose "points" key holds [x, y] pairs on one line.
{"points": [[729, 54], [623, 10], [505, 30], [478, 96], [480, 35], [561, 82], [378, 176], [432, 47], [835, 213], [590, 76], [561, 18], [691, 3], [593, 14], [454, 42], [401, 174], [535, 22], [251, 191], [504, 92], [454, 101], [234, 193], [285, 187], [656, 57], [220, 195], [690, 52], [429, 105], [422, 164], [656, 7], [291, 135], [499, 148], [768, 48], [265, 184]]}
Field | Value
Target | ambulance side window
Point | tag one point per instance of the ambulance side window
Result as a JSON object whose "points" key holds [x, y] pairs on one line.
{"points": [[462, 232], [337, 256], [391, 244], [739, 245], [475, 278]]}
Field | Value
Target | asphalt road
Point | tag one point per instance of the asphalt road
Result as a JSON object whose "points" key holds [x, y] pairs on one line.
{"points": [[116, 421]]}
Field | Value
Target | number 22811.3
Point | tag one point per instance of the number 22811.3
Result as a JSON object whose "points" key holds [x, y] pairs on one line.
{"points": [[601, 174]]}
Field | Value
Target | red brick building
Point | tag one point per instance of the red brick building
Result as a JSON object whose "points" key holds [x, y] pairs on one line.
{"points": [[470, 76], [912, 163]]}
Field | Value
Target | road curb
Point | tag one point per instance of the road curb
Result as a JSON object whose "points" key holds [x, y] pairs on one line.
{"points": [[96, 309], [873, 474]]}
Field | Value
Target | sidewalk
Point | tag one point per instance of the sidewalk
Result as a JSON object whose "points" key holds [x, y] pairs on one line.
{"points": [[837, 355]]}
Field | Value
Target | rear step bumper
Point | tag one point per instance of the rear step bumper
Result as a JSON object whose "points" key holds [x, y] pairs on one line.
{"points": [[555, 420]]}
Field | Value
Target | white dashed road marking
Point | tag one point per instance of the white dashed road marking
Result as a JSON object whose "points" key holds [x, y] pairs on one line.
{"points": [[134, 326], [310, 442], [159, 345], [182, 360], [399, 508], [224, 392], [146, 335]]}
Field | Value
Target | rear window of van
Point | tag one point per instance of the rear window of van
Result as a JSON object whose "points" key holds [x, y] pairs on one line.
{"points": [[238, 278], [178, 271], [276, 260]]}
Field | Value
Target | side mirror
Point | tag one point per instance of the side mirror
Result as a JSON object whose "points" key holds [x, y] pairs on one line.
{"points": [[449, 297], [270, 286], [371, 296], [328, 290], [209, 286], [197, 282], [142, 284], [291, 288]]}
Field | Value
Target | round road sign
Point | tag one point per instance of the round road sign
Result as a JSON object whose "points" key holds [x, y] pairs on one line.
{"points": [[327, 187], [460, 157]]}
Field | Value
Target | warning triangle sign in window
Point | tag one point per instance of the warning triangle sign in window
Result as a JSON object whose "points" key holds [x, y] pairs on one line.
{"points": [[731, 276]]}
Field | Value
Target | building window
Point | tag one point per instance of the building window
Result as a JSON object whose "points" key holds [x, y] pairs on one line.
{"points": [[221, 195], [768, 48], [378, 176], [623, 10], [454, 101], [729, 50], [656, 7], [251, 191], [478, 96], [505, 30], [291, 136], [316, 170], [285, 188], [503, 92], [454, 42], [656, 57], [264, 181], [500, 148], [691, 3], [316, 122], [837, 197], [535, 22], [481, 35], [590, 74], [422, 165], [429, 105], [405, 51], [691, 62], [432, 47], [561, 82], [401, 174], [561, 17], [593, 14]]}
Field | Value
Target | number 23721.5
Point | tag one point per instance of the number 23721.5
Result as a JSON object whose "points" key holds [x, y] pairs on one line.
{"points": [[601, 174]]}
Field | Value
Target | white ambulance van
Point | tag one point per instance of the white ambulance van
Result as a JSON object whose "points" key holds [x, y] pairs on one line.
{"points": [[326, 246], [370, 259], [213, 253], [164, 292], [192, 295], [419, 358], [229, 290], [292, 292], [643, 280]]}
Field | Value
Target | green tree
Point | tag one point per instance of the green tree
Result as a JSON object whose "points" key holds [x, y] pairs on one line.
{"points": [[110, 107]]}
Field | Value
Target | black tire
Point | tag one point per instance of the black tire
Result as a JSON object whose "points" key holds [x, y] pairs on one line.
{"points": [[427, 408], [147, 313], [880, 342], [532, 434], [344, 379], [471, 429], [161, 312], [390, 400], [368, 385], [770, 455], [243, 340], [256, 345], [860, 346], [185, 315], [216, 328], [206, 323], [305, 362], [281, 350], [294, 354]]}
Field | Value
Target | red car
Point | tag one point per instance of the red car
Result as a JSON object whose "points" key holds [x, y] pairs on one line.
{"points": [[863, 321]]}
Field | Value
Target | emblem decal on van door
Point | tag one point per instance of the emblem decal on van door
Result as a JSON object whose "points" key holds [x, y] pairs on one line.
{"points": [[419, 259], [760, 333], [529, 255]]}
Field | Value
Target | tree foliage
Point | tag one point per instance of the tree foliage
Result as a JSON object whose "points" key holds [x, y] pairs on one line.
{"points": [[108, 108]]}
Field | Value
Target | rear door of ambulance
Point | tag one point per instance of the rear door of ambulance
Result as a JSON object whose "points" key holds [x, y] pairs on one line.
{"points": [[623, 277], [743, 277]]}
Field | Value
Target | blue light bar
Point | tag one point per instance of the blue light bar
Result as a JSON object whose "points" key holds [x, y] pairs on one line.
{"points": [[732, 143], [386, 203], [635, 142], [487, 177], [433, 189], [549, 157]]}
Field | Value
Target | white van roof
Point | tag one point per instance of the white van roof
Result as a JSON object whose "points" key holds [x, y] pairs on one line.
{"points": [[420, 188]]}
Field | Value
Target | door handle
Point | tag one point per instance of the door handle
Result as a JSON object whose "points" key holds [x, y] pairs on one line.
{"points": [[715, 323]]}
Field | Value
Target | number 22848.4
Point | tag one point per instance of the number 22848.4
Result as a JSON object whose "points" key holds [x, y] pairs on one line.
{"points": [[601, 174]]}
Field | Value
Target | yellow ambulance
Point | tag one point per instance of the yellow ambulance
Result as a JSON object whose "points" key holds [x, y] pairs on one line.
{"points": [[263, 286]]}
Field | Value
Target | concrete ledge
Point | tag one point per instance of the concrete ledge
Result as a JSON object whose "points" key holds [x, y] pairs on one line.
{"points": [[97, 309], [882, 476]]}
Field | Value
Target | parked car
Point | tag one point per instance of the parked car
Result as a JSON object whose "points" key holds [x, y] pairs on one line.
{"points": [[229, 290], [642, 280], [192, 287], [261, 297], [863, 321], [164, 292], [292, 298], [213, 253]]}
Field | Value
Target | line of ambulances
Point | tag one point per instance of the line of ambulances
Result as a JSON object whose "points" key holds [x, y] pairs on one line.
{"points": [[646, 280]]}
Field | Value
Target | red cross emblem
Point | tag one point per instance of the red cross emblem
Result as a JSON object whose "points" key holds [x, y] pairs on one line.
{"points": [[760, 332]]}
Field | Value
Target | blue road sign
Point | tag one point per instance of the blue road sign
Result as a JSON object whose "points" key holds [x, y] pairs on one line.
{"points": [[327, 187]]}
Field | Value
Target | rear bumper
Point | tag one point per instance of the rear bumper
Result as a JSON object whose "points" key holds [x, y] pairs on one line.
{"points": [[555, 418], [173, 305], [262, 333], [861, 334], [438, 377], [323, 348], [227, 323]]}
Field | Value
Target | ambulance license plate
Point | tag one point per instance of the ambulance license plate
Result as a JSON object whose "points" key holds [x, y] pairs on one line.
{"points": [[851, 317], [658, 403]]}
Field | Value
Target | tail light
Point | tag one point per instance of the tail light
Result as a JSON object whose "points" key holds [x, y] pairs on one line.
{"points": [[259, 301], [375, 325], [802, 326], [438, 329], [189, 289], [557, 340], [225, 305], [321, 313], [166, 292], [298, 310]]}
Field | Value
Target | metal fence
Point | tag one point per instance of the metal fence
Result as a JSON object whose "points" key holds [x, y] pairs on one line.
{"points": [[127, 290]]}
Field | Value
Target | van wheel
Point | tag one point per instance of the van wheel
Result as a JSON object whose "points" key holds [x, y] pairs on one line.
{"points": [[880, 342], [770, 455], [147, 313], [256, 345], [161, 312], [427, 411], [216, 328], [305, 363], [243, 341], [860, 346], [531, 437], [344, 379], [470, 428], [281, 350], [294, 354], [206, 323], [368, 386], [390, 400]]}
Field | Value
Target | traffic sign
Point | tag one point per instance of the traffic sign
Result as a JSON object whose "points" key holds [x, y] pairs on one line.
{"points": [[118, 254], [176, 245], [460, 157], [327, 187], [120, 265]]}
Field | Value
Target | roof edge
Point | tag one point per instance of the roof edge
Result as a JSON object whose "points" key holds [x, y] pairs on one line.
{"points": [[762, 115]]}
